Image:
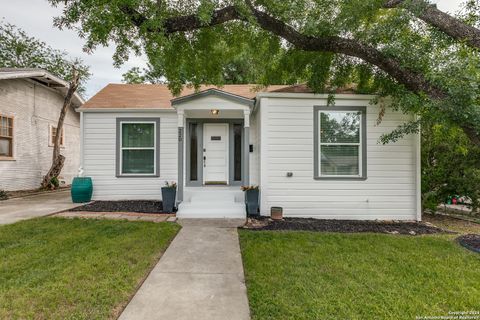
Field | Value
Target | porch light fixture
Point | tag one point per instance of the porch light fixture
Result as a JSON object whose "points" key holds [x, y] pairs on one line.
{"points": [[214, 112]]}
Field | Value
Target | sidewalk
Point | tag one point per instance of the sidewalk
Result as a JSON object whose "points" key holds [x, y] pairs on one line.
{"points": [[200, 276], [28, 207]]}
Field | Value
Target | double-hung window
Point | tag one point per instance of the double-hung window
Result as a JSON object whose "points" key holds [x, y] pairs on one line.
{"points": [[340, 143], [137, 147], [6, 137]]}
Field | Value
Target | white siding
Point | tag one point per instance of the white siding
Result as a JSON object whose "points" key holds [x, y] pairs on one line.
{"points": [[287, 146], [35, 108], [99, 157]]}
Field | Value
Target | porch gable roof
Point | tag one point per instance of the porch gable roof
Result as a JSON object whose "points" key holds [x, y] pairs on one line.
{"points": [[213, 92]]}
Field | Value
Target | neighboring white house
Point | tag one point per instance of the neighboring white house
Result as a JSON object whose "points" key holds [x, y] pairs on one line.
{"points": [[30, 104], [311, 159]]}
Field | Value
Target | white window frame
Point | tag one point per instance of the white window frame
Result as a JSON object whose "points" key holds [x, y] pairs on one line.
{"points": [[362, 144], [320, 144], [51, 143], [154, 148], [11, 138]]}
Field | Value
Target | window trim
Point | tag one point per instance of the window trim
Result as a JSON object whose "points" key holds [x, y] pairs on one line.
{"points": [[119, 147], [50, 136], [363, 142], [11, 138]]}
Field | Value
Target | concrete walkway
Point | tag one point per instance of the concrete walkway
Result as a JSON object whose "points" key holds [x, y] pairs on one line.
{"points": [[17, 209], [200, 276]]}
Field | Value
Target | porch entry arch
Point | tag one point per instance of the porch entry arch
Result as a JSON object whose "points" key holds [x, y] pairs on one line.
{"points": [[195, 164]]}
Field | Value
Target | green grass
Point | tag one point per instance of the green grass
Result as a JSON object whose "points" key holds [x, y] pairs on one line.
{"points": [[54, 268], [302, 275]]}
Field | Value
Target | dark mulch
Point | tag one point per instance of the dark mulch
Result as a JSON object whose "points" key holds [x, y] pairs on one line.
{"points": [[470, 241], [345, 226], [143, 206]]}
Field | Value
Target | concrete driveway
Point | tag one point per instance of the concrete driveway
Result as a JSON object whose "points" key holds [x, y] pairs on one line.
{"points": [[17, 209]]}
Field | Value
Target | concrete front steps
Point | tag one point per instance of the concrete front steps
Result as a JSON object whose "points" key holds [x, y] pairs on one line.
{"points": [[212, 202]]}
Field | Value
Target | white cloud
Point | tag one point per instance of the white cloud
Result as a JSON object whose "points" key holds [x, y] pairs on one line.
{"points": [[36, 18]]}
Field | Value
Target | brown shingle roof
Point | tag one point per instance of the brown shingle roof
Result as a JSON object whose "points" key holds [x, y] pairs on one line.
{"points": [[158, 96]]}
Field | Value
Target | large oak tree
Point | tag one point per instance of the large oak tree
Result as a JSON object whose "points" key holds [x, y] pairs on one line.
{"points": [[426, 60]]}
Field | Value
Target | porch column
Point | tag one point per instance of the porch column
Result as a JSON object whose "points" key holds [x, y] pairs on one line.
{"points": [[181, 138], [246, 153]]}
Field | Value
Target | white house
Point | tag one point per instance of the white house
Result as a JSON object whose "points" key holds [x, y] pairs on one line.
{"points": [[30, 104], [311, 159]]}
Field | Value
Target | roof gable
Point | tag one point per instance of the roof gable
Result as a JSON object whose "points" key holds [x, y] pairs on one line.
{"points": [[213, 92]]}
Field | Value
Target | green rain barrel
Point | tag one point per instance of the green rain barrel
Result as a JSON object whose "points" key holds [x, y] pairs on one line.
{"points": [[82, 189]]}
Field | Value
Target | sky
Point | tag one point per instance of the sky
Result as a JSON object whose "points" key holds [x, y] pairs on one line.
{"points": [[36, 18]]}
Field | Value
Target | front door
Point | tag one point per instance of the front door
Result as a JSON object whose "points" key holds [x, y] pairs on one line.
{"points": [[215, 153]]}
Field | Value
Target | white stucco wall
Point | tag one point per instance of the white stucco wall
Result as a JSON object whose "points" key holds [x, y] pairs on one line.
{"points": [[35, 107], [287, 145]]}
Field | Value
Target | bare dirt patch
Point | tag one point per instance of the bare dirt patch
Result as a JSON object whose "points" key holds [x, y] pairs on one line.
{"points": [[344, 226], [453, 224]]}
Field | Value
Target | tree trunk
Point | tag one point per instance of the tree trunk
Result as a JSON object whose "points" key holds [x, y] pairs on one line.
{"points": [[57, 159]]}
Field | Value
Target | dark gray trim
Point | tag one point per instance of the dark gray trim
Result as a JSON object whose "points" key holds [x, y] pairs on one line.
{"points": [[118, 173], [246, 156], [231, 150], [199, 180], [316, 110], [181, 139], [214, 92]]}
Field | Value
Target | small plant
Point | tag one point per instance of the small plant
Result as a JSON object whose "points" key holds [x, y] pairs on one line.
{"points": [[3, 195], [170, 184], [55, 183], [252, 187]]}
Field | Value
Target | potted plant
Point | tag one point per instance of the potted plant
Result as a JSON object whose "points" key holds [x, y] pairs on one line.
{"points": [[169, 193], [251, 199]]}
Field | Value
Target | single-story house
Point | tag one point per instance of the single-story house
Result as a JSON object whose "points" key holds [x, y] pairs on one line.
{"points": [[311, 159], [30, 104]]}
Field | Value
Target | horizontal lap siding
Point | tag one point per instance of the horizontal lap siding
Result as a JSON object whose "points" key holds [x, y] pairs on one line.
{"points": [[99, 157], [388, 193]]}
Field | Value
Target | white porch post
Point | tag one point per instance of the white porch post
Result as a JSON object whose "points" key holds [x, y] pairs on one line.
{"points": [[181, 138], [246, 154]]}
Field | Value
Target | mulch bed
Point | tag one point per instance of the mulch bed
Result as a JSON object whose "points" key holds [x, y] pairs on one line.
{"points": [[142, 206], [470, 241], [344, 226]]}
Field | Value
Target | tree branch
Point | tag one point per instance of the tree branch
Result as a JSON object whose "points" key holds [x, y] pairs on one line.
{"points": [[412, 80], [446, 23]]}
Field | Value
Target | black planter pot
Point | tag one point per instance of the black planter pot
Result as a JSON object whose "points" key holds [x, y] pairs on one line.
{"points": [[168, 199], [251, 201]]}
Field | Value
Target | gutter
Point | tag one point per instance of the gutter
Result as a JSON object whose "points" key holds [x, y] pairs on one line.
{"points": [[142, 110]]}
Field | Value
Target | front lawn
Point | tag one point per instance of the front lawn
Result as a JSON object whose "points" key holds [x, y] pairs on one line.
{"points": [[54, 268], [306, 275]]}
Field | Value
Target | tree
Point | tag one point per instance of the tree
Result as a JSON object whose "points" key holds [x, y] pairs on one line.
{"points": [[58, 160], [450, 166], [426, 60], [18, 50]]}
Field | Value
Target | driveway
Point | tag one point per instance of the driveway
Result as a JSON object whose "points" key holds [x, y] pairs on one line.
{"points": [[17, 209], [200, 276]]}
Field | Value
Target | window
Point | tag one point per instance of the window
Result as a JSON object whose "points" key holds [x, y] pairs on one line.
{"points": [[340, 141], [137, 147], [53, 134], [6, 136]]}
